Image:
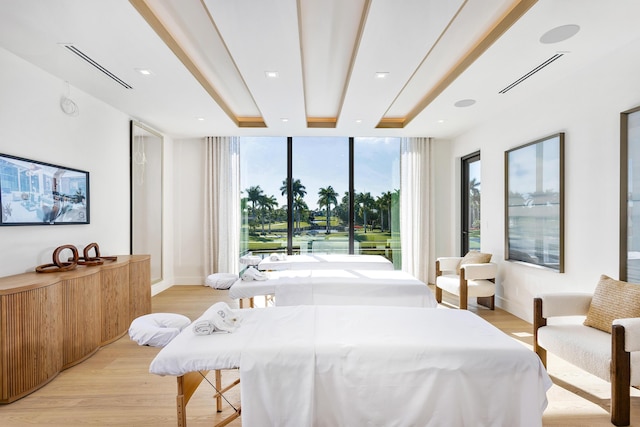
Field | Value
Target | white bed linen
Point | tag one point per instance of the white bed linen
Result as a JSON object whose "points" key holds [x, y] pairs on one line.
{"points": [[359, 365], [327, 262], [339, 287]]}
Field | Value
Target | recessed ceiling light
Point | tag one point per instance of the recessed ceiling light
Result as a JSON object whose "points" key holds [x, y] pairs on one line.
{"points": [[200, 119], [440, 121], [559, 34], [284, 120], [271, 74], [144, 71], [381, 74], [465, 103]]}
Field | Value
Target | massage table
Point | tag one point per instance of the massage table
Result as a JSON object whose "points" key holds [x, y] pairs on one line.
{"points": [[325, 262], [338, 287], [365, 365]]}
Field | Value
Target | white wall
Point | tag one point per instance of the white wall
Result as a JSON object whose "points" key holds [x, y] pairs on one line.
{"points": [[586, 107], [188, 225], [32, 125]]}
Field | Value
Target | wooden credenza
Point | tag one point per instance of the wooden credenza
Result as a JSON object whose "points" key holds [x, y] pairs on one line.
{"points": [[52, 321]]}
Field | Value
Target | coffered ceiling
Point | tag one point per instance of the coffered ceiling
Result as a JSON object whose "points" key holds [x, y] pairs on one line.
{"points": [[314, 67]]}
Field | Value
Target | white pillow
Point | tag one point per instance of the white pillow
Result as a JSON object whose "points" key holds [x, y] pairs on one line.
{"points": [[221, 280], [157, 329]]}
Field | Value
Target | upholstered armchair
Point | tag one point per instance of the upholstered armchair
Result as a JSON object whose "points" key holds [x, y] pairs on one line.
{"points": [[599, 333], [467, 277]]}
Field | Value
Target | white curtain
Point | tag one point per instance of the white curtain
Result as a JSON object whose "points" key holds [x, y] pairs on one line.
{"points": [[221, 205], [414, 206]]}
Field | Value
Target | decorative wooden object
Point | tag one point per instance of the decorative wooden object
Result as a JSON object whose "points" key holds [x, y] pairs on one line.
{"points": [[50, 322]]}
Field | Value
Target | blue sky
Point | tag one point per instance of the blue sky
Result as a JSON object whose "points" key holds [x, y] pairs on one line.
{"points": [[319, 162]]}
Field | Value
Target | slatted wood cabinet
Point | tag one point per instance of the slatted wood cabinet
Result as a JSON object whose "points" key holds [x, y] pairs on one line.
{"points": [[52, 321]]}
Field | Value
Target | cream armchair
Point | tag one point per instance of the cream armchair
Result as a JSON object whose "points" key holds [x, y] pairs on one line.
{"points": [[614, 357], [473, 280]]}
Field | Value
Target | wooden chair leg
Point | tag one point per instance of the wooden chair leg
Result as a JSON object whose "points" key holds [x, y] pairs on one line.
{"points": [[438, 290], [538, 322], [620, 379], [488, 302], [464, 291]]}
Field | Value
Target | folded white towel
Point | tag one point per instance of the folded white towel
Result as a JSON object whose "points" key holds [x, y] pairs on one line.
{"points": [[277, 257], [253, 274], [203, 327], [218, 318]]}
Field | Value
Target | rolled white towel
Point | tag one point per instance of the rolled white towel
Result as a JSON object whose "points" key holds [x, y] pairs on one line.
{"points": [[203, 327], [247, 275], [218, 318], [260, 275], [252, 273], [277, 257]]}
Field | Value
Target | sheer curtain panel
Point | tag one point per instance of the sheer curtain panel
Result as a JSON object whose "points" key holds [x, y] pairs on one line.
{"points": [[221, 205], [414, 205]]}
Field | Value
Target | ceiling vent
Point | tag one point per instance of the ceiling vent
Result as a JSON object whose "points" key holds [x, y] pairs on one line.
{"points": [[531, 73], [88, 59]]}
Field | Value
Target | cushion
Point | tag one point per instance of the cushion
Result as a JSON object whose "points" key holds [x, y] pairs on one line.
{"points": [[473, 257], [157, 329], [612, 299]]}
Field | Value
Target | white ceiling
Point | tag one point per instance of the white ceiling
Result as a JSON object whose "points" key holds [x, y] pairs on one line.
{"points": [[208, 59]]}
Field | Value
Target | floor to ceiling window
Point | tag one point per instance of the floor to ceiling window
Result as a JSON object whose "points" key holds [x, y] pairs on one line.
{"points": [[320, 168], [377, 196], [263, 167], [344, 195]]}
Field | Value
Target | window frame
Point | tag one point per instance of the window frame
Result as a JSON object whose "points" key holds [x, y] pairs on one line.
{"points": [[624, 193], [464, 203]]}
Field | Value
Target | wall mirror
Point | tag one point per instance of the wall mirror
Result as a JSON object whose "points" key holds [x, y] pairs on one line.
{"points": [[534, 203], [146, 195]]}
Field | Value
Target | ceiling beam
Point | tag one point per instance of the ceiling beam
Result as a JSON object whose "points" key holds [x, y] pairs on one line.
{"points": [[152, 19], [516, 11]]}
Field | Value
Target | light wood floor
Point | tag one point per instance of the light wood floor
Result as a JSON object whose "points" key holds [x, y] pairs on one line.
{"points": [[114, 387]]}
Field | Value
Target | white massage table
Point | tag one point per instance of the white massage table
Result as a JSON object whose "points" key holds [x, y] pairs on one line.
{"points": [[326, 262], [338, 287], [365, 365]]}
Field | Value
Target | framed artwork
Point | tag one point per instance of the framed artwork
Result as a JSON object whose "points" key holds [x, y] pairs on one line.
{"points": [[534, 203], [38, 193], [630, 195]]}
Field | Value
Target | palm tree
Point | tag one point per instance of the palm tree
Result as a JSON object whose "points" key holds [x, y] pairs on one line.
{"points": [[299, 205], [299, 191], [342, 209], [267, 203], [474, 201], [366, 202], [328, 197], [384, 203], [253, 195]]}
